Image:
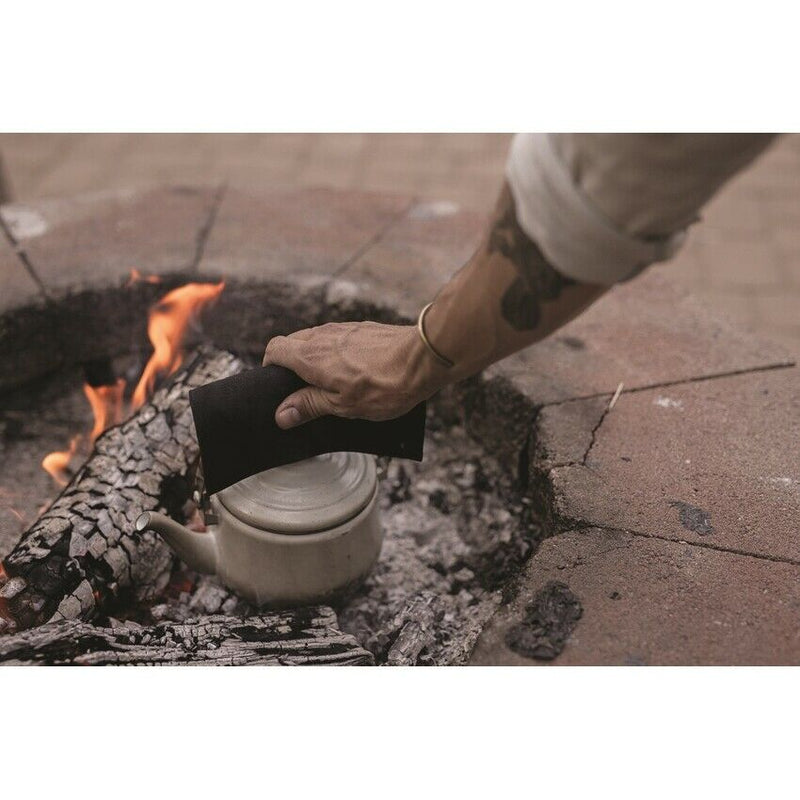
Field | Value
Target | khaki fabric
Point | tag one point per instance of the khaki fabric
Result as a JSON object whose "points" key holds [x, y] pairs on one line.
{"points": [[602, 207]]}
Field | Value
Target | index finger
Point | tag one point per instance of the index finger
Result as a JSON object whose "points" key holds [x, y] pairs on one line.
{"points": [[288, 351]]}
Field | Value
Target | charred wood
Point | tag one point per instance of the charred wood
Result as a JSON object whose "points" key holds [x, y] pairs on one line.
{"points": [[83, 551], [417, 623], [304, 636]]}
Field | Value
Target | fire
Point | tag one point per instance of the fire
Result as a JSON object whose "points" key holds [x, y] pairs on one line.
{"points": [[137, 277], [169, 321], [56, 463], [168, 324], [106, 403], [6, 498]]}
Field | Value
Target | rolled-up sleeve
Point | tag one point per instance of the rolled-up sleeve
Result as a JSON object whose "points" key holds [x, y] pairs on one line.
{"points": [[602, 207]]}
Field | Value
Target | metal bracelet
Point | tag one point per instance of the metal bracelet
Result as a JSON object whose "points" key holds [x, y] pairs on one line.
{"points": [[443, 360]]}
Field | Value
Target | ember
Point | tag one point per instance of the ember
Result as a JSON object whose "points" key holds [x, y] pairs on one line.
{"points": [[170, 320], [137, 277], [5, 502], [56, 464]]}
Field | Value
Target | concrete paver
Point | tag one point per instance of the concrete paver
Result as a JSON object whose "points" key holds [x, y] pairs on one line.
{"points": [[642, 333], [758, 212], [426, 246], [713, 463], [17, 287], [95, 240], [305, 232], [649, 601]]}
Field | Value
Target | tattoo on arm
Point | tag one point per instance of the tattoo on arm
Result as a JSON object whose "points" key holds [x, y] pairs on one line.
{"points": [[536, 280]]}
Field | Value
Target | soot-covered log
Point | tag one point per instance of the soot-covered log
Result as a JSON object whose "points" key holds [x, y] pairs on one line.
{"points": [[83, 550], [304, 636]]}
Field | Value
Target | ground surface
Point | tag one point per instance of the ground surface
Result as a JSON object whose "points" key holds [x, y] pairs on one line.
{"points": [[743, 261], [672, 517]]}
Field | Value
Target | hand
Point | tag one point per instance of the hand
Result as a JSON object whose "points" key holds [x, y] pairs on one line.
{"points": [[362, 370]]}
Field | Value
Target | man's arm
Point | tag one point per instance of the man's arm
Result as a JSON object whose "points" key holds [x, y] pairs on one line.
{"points": [[601, 206], [505, 298]]}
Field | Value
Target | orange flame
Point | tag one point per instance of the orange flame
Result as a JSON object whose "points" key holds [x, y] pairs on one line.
{"points": [[137, 277], [169, 321], [106, 403], [56, 463], [5, 502]]}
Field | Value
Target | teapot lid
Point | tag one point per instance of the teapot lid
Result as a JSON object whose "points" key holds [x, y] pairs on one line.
{"points": [[308, 496]]}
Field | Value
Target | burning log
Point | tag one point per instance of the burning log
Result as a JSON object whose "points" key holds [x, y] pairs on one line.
{"points": [[83, 550], [300, 637]]}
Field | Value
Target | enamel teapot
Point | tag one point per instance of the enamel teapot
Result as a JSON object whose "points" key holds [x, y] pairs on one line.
{"points": [[300, 534]]}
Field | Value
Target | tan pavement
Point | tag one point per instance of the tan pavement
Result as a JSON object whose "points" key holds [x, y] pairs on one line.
{"points": [[743, 260]]}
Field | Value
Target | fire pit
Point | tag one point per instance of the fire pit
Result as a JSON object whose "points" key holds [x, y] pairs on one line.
{"points": [[83, 587], [532, 439]]}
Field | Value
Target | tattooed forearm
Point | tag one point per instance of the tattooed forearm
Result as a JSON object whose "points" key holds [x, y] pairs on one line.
{"points": [[536, 280]]}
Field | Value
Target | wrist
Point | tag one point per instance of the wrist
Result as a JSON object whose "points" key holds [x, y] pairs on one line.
{"points": [[459, 324], [424, 375]]}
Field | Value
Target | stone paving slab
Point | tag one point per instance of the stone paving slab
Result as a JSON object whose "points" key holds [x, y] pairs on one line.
{"points": [[714, 463], [642, 333], [650, 601], [407, 266], [17, 287], [743, 258], [94, 240], [290, 234]]}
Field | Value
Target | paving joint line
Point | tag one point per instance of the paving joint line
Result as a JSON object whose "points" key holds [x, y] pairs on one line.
{"points": [[678, 382], [375, 239], [19, 251], [205, 230], [584, 524]]}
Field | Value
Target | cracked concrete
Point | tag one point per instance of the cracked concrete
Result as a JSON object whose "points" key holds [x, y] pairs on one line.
{"points": [[720, 447], [651, 601], [699, 486]]}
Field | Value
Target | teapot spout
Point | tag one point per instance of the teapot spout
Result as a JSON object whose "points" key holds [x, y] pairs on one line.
{"points": [[197, 549]]}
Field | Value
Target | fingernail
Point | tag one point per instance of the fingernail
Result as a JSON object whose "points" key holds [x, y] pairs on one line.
{"points": [[288, 417]]}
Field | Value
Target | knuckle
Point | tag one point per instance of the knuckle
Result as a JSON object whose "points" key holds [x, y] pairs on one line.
{"points": [[313, 404], [274, 345]]}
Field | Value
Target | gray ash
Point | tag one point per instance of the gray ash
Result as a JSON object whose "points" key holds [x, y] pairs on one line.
{"points": [[456, 536], [457, 533]]}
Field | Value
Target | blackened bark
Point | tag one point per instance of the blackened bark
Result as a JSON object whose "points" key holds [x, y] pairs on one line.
{"points": [[304, 636], [84, 551]]}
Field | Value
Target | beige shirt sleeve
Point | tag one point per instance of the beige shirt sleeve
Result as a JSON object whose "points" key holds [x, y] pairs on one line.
{"points": [[602, 207]]}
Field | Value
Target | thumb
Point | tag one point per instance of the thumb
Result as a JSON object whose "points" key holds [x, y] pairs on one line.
{"points": [[303, 406]]}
